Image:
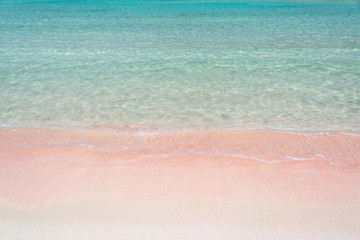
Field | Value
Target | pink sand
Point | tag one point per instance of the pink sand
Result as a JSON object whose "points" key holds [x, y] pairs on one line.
{"points": [[214, 178]]}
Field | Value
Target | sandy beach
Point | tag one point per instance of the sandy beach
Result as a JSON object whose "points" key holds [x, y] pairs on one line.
{"points": [[191, 119], [195, 184]]}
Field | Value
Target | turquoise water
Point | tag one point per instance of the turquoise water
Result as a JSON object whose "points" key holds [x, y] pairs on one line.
{"points": [[283, 65]]}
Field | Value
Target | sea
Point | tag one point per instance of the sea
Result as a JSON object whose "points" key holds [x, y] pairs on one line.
{"points": [[288, 65]]}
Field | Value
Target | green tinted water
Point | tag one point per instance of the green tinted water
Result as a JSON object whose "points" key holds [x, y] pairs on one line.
{"points": [[180, 64]]}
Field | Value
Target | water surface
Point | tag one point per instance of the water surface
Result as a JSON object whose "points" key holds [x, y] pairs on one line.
{"points": [[225, 64]]}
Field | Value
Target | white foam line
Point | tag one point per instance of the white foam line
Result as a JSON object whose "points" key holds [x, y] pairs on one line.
{"points": [[273, 160], [64, 145], [318, 155], [93, 146], [287, 158], [305, 134], [245, 156], [350, 134], [304, 159], [319, 133], [335, 164], [181, 154], [314, 134]]}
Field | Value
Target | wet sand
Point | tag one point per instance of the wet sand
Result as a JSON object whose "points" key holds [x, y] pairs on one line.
{"points": [[137, 184]]}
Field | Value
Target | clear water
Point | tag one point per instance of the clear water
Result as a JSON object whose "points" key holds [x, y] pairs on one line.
{"points": [[180, 64]]}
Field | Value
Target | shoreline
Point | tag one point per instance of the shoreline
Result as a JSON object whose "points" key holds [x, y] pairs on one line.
{"points": [[135, 129], [332, 154]]}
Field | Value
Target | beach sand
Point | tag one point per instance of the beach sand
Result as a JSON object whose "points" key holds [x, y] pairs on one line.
{"points": [[140, 184]]}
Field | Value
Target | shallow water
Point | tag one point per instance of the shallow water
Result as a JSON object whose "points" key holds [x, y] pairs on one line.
{"points": [[180, 64]]}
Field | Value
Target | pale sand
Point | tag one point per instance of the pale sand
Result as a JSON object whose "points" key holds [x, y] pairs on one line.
{"points": [[193, 185]]}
